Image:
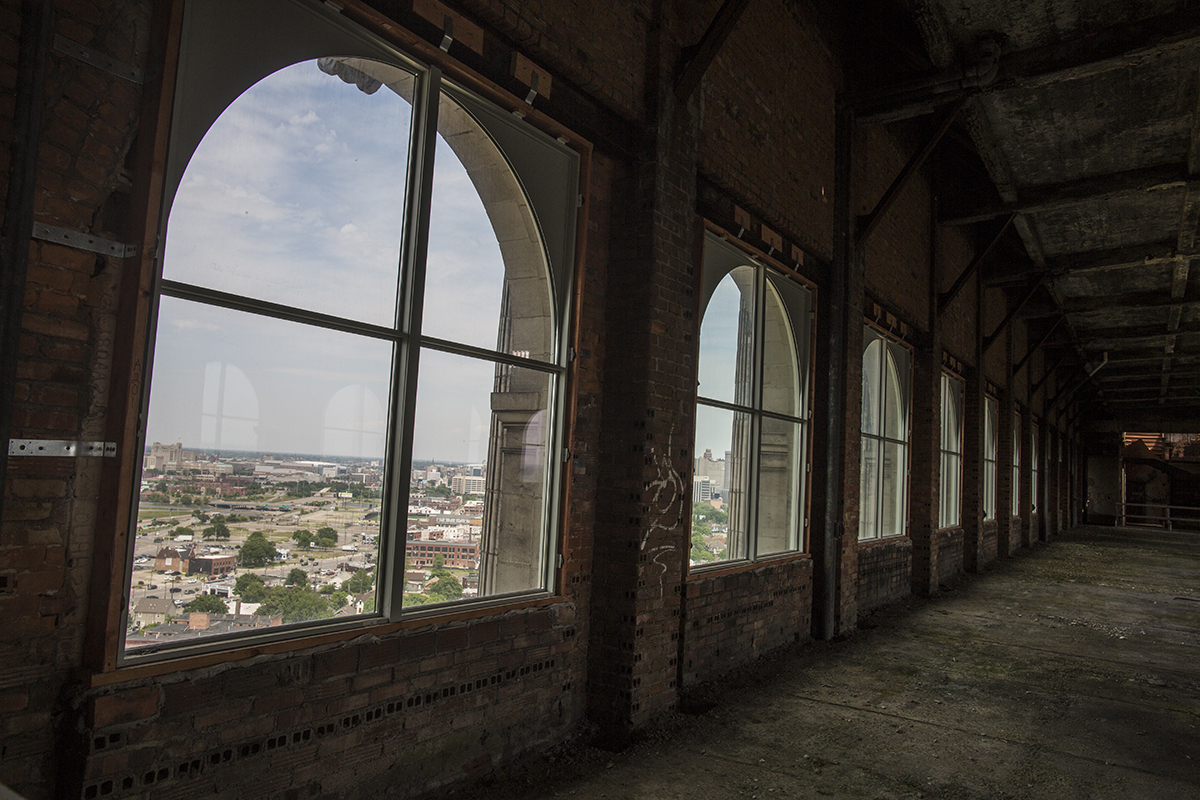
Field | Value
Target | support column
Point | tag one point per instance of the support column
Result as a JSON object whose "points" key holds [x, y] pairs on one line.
{"points": [[642, 524], [837, 409]]}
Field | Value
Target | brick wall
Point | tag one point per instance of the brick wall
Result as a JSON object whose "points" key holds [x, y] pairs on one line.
{"points": [[733, 618], [884, 573], [402, 712], [950, 560]]}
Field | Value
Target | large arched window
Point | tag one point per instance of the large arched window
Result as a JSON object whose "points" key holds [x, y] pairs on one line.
{"points": [[883, 506], [748, 486], [359, 337]]}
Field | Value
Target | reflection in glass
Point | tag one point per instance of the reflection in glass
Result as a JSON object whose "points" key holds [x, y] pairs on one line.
{"points": [[264, 436], [868, 499], [302, 180], [895, 465], [495, 417], [779, 485], [726, 365], [781, 378], [487, 281], [872, 378], [990, 413], [719, 498]]}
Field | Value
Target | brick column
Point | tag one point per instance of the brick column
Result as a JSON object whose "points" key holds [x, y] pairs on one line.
{"points": [[648, 409], [925, 464], [972, 471]]}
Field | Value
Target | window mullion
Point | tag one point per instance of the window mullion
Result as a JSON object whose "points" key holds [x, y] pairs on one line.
{"points": [[418, 200]]}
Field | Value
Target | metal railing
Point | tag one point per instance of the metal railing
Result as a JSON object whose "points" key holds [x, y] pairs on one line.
{"points": [[1160, 515]]}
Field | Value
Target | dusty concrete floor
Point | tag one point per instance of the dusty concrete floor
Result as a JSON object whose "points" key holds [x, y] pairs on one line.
{"points": [[1069, 671]]}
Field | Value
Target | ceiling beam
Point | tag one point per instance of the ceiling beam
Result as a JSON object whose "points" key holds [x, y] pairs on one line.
{"points": [[1090, 54], [1099, 187]]}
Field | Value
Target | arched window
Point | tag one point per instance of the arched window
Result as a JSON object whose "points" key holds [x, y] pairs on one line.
{"points": [[884, 456], [361, 312], [951, 447], [748, 489]]}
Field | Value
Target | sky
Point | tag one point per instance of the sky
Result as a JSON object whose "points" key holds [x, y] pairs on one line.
{"points": [[295, 196]]}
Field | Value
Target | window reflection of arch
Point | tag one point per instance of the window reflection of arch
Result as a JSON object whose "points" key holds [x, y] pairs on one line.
{"points": [[355, 423], [883, 459], [751, 405], [229, 409]]}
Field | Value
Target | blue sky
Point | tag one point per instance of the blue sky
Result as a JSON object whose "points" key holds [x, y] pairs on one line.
{"points": [[295, 196]]}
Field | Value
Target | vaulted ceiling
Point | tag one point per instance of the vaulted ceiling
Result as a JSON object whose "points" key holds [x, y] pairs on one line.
{"points": [[1088, 133]]}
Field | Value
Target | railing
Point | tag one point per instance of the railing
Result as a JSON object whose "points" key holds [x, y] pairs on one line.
{"points": [[1160, 515]]}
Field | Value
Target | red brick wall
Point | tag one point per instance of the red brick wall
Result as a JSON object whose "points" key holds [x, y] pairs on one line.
{"points": [[884, 573], [733, 618], [753, 126]]}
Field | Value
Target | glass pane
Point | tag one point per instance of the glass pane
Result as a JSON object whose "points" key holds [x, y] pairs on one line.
{"points": [[487, 282], [989, 429], [779, 486], [895, 399], [727, 340], [296, 194], [989, 489], [893, 486], [262, 477], [949, 491], [720, 485], [785, 322], [872, 375], [480, 451], [868, 498]]}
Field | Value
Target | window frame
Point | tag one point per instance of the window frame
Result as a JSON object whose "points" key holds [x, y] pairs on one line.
{"points": [[1016, 463], [890, 344], [726, 254], [991, 455], [478, 98], [1034, 471], [950, 450]]}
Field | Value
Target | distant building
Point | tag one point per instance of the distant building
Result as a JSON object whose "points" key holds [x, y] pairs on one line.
{"points": [[701, 489], [211, 565], [153, 611], [461, 554], [170, 559], [468, 484]]}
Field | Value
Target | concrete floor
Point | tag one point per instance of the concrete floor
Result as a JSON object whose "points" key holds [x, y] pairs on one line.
{"points": [[1068, 671]]}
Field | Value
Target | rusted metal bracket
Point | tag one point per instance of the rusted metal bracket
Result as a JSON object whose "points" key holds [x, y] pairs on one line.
{"points": [[868, 223], [947, 297], [1021, 364], [990, 339], [695, 60]]}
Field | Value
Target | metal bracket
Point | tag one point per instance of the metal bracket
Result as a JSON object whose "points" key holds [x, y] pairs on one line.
{"points": [[60, 447], [110, 65], [83, 241], [447, 32]]}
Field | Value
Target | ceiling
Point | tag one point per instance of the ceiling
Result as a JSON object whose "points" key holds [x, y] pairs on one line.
{"points": [[1087, 138]]}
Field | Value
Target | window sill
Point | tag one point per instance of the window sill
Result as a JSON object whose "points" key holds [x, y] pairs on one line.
{"points": [[883, 540], [165, 664], [699, 572]]}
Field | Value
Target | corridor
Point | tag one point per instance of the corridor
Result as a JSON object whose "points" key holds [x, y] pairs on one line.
{"points": [[1068, 671]]}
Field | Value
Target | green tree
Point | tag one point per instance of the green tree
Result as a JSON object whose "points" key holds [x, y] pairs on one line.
{"points": [[303, 538], [359, 582], [445, 588], [338, 599], [297, 577], [209, 603], [200, 515], [157, 497], [439, 560], [251, 587], [257, 551], [700, 549], [218, 530], [327, 537], [295, 603]]}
